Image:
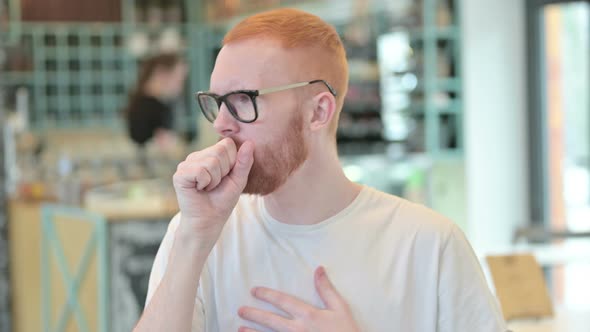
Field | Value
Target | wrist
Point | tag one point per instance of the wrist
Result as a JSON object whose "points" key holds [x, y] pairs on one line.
{"points": [[196, 239]]}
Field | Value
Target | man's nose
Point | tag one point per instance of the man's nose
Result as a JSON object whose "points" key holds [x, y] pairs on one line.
{"points": [[225, 124]]}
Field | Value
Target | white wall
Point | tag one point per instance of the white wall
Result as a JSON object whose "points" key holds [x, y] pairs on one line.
{"points": [[495, 124]]}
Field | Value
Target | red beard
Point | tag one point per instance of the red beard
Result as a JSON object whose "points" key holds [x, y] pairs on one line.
{"points": [[275, 162]]}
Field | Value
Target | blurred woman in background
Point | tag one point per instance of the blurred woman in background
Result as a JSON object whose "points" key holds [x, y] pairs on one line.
{"points": [[148, 114]]}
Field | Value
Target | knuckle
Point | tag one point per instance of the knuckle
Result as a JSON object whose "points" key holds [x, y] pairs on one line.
{"points": [[212, 164], [175, 177], [179, 174], [223, 144], [193, 155], [227, 142], [212, 161], [222, 154], [202, 172], [229, 147], [219, 148], [180, 166], [279, 298]]}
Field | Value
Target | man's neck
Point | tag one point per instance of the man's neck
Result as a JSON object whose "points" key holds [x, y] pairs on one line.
{"points": [[313, 193]]}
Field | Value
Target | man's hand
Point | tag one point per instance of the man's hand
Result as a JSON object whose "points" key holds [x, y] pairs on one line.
{"points": [[208, 184], [300, 315]]}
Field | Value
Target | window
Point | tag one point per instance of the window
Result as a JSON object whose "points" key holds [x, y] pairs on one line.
{"points": [[559, 114]]}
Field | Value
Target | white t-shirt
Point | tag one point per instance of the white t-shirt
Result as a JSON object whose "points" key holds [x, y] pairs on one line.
{"points": [[400, 267]]}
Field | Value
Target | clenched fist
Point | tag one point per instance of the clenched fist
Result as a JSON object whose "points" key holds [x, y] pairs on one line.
{"points": [[208, 185]]}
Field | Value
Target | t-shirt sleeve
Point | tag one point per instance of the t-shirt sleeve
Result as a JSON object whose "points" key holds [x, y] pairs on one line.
{"points": [[464, 299], [159, 268]]}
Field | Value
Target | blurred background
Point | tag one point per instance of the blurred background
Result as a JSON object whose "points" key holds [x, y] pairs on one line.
{"points": [[478, 109]]}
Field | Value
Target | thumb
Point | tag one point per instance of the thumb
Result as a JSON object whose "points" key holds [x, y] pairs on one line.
{"points": [[326, 290], [244, 161]]}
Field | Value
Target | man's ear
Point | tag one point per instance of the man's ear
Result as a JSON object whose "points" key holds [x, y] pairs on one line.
{"points": [[324, 109]]}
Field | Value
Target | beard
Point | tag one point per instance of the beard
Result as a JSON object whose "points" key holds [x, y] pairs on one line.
{"points": [[276, 161]]}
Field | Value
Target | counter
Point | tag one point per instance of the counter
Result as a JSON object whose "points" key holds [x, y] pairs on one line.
{"points": [[136, 214]]}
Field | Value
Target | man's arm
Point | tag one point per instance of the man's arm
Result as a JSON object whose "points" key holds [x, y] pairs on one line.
{"points": [[208, 185], [172, 304]]}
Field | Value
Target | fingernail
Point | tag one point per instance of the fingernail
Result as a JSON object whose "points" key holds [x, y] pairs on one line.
{"points": [[321, 272], [253, 291]]}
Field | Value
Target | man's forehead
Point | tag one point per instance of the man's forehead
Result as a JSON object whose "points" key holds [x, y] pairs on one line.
{"points": [[248, 64]]}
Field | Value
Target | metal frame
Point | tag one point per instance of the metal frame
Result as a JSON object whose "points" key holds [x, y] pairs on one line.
{"points": [[5, 289], [431, 33], [537, 114], [50, 243], [429, 37], [14, 15]]}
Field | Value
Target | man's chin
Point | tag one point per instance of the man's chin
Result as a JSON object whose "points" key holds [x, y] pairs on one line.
{"points": [[260, 187]]}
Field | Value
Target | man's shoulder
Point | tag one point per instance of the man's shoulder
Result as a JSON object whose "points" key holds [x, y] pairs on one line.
{"points": [[407, 214]]}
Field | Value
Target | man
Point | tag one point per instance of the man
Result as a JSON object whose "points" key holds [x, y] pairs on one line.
{"points": [[260, 262]]}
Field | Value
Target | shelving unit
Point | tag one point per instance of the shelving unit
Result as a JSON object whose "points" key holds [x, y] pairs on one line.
{"points": [[424, 114], [360, 120], [80, 74], [436, 42]]}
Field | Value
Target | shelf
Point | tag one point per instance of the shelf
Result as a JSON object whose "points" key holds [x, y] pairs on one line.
{"points": [[440, 33], [371, 138], [353, 148], [361, 107], [15, 77], [442, 85], [449, 154], [453, 108], [363, 81], [448, 84], [418, 108]]}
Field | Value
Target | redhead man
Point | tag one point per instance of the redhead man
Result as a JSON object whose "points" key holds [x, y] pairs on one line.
{"points": [[271, 235]]}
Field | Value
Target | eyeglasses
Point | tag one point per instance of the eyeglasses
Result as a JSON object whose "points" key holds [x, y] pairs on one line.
{"points": [[241, 104]]}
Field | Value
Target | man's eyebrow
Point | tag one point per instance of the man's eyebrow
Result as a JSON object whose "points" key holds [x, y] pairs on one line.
{"points": [[231, 85]]}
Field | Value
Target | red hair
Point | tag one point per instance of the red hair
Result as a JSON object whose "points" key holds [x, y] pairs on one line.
{"points": [[294, 28]]}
